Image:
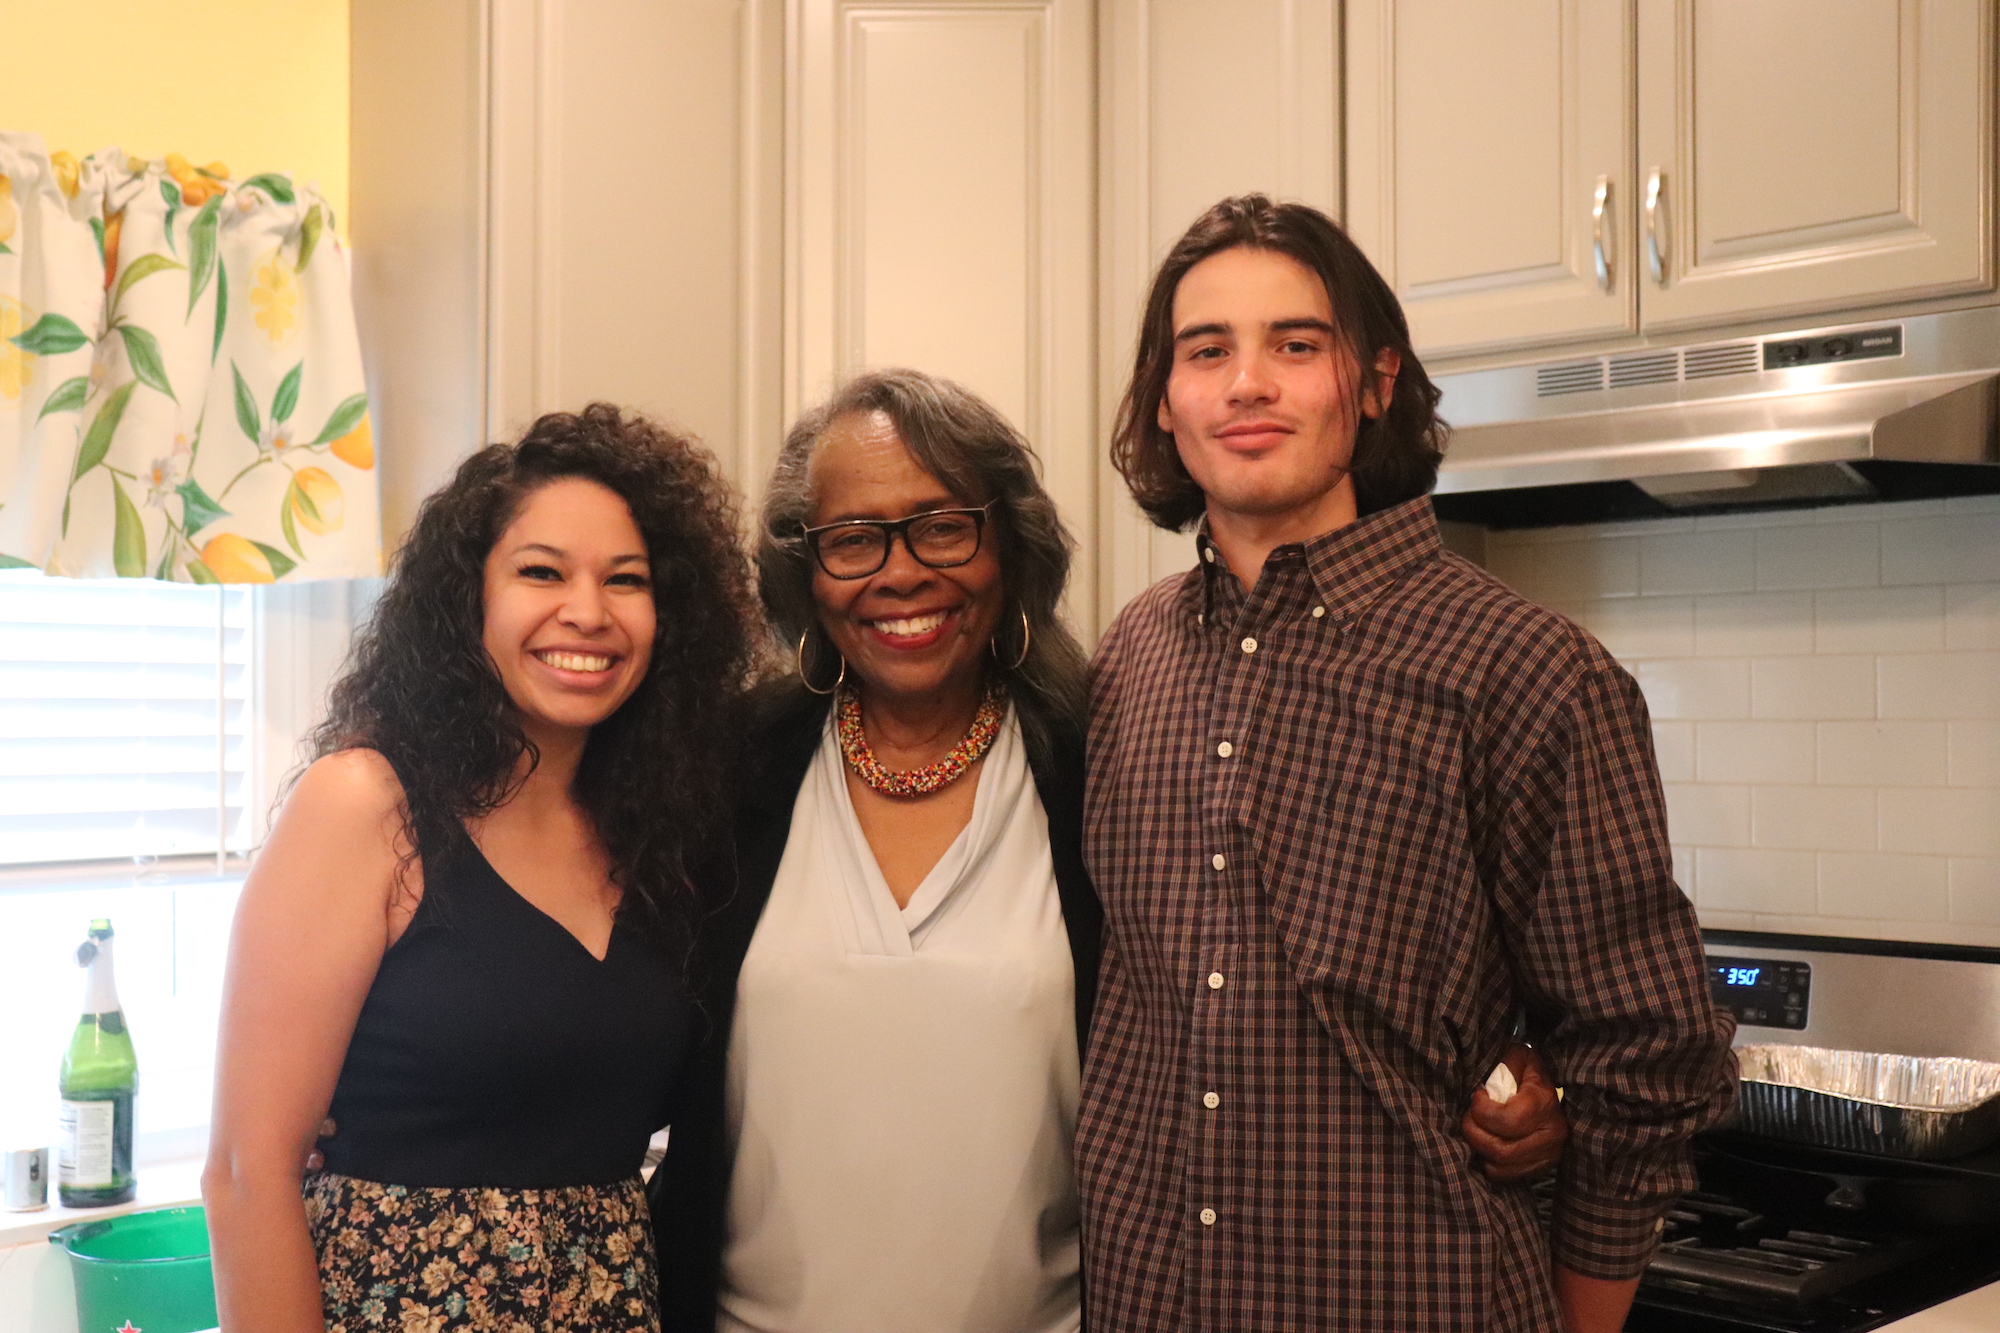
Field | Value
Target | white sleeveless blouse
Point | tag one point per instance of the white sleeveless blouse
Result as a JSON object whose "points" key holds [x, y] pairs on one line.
{"points": [[903, 1081]]}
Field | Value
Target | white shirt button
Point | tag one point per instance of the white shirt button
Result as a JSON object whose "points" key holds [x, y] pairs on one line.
{"points": [[1210, 1100], [1215, 981], [1208, 1217], [1225, 749], [1208, 554], [1218, 860], [1201, 618], [1318, 611], [1249, 645]]}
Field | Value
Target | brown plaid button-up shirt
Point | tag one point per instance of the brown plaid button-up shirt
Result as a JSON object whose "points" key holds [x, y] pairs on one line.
{"points": [[1345, 826]]}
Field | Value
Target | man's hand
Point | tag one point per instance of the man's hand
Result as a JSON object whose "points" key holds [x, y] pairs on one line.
{"points": [[316, 1160], [1526, 1136]]}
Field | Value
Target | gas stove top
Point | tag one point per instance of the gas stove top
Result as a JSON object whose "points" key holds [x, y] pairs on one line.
{"points": [[1729, 1259], [1784, 1238]]}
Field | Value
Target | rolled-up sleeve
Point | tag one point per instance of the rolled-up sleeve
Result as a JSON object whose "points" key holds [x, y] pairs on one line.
{"points": [[1611, 966]]}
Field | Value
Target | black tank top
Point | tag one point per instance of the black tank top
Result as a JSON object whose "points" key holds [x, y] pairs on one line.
{"points": [[494, 1050]]}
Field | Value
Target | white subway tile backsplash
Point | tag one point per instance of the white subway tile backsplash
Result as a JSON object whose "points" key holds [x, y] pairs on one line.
{"points": [[1769, 518], [1843, 555], [1884, 885], [1878, 514], [1878, 620], [1514, 565], [1673, 749], [1975, 891], [1695, 688], [1705, 814], [1883, 754], [1747, 879], [1812, 687], [1941, 932], [1762, 623], [1698, 562], [1940, 685], [1951, 548], [1972, 615], [1975, 754], [1852, 927], [1573, 571], [1637, 627], [1755, 752], [1940, 821], [1812, 818], [1825, 692], [1625, 527]]}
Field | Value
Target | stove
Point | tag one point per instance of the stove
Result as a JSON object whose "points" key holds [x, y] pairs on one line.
{"points": [[1789, 1238]]}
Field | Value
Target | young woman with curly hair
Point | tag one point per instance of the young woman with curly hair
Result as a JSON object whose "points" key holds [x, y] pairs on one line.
{"points": [[466, 938]]}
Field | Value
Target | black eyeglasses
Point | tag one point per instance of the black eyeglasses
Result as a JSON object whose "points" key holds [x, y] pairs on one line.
{"points": [[856, 548]]}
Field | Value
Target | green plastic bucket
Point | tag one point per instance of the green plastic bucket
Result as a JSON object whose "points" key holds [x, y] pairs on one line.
{"points": [[142, 1272]]}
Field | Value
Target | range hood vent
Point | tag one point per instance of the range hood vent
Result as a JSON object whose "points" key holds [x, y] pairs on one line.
{"points": [[1896, 410]]}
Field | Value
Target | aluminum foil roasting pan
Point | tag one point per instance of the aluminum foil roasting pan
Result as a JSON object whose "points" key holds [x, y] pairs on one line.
{"points": [[1929, 1108]]}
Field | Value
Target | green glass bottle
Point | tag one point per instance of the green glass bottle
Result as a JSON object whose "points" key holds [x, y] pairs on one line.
{"points": [[100, 1082]]}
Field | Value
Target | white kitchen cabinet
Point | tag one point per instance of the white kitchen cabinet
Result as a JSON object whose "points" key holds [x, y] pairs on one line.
{"points": [[1813, 155], [1489, 166], [1533, 172], [939, 214], [548, 208], [1196, 102]]}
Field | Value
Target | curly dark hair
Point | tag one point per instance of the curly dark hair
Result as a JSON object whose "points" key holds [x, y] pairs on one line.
{"points": [[963, 441], [420, 688], [1396, 455]]}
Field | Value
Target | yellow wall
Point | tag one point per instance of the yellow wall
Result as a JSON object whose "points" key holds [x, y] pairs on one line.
{"points": [[260, 85]]}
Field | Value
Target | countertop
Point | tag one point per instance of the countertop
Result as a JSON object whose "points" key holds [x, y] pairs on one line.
{"points": [[1975, 1312]]}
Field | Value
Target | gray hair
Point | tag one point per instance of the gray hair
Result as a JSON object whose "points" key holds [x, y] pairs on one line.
{"points": [[960, 439]]}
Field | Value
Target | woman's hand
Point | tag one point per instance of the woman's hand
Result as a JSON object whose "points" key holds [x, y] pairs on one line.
{"points": [[1525, 1137]]}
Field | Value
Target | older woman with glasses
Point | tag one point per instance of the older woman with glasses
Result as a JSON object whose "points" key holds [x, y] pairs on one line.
{"points": [[875, 1133]]}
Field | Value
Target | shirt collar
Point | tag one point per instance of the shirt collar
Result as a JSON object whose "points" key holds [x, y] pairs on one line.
{"points": [[1352, 565]]}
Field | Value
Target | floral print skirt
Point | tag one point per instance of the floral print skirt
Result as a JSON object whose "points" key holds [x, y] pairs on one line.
{"points": [[412, 1259]]}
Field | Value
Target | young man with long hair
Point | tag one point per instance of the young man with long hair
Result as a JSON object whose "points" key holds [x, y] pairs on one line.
{"points": [[1353, 806]]}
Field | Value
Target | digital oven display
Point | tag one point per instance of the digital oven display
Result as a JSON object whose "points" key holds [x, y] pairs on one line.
{"points": [[1762, 992]]}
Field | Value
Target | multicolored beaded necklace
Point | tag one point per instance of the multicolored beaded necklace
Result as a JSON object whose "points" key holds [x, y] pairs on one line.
{"points": [[917, 781]]}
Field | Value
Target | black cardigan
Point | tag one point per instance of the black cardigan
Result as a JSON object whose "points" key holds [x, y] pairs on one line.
{"points": [[690, 1190]]}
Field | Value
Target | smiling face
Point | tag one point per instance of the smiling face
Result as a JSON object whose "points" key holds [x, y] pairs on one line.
{"points": [[907, 631], [1264, 394], [569, 607]]}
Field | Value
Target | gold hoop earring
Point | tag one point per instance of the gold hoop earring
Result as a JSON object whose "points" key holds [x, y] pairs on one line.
{"points": [[1027, 637], [838, 681]]}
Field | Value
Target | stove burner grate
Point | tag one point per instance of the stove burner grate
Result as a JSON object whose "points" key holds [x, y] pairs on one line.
{"points": [[1716, 1248], [1794, 1269]]}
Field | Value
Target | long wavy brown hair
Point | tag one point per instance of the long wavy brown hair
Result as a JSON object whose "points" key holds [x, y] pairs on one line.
{"points": [[420, 688]]}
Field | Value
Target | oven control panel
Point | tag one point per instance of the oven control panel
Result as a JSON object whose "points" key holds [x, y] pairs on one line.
{"points": [[1762, 992]]}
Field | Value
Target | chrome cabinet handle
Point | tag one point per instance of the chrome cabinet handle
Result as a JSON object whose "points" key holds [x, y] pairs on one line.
{"points": [[1600, 236], [1656, 235]]}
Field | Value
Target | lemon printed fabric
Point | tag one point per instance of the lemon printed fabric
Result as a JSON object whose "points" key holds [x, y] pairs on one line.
{"points": [[181, 392]]}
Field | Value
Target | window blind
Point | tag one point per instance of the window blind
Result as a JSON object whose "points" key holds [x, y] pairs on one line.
{"points": [[124, 716]]}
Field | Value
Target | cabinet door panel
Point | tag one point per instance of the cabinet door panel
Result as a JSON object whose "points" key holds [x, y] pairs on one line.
{"points": [[938, 214], [1814, 154], [1478, 136], [1196, 102]]}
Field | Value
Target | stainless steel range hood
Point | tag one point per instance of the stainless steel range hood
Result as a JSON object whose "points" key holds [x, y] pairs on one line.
{"points": [[1891, 409]]}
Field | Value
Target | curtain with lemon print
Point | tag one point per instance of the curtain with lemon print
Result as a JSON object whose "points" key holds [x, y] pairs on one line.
{"points": [[181, 394]]}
